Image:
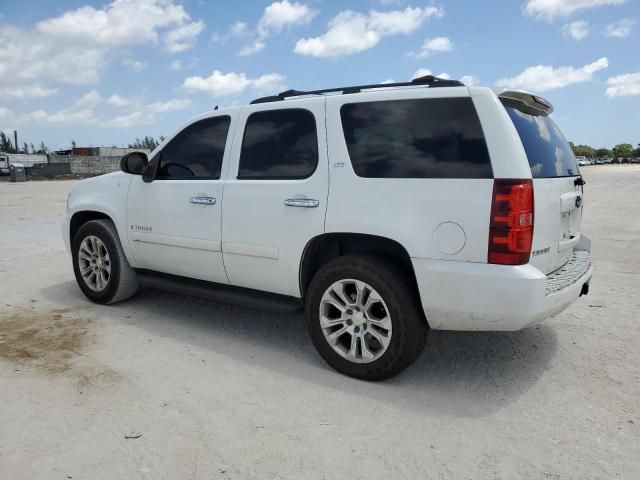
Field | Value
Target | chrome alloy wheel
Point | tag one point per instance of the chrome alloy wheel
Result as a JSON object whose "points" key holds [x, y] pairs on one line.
{"points": [[94, 263], [355, 321]]}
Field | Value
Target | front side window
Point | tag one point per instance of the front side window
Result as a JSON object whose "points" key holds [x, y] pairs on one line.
{"points": [[196, 152], [417, 138], [279, 144]]}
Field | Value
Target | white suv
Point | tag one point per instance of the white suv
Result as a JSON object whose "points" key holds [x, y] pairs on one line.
{"points": [[382, 210]]}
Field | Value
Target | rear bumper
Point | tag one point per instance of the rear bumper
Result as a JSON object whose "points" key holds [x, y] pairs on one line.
{"points": [[472, 296]]}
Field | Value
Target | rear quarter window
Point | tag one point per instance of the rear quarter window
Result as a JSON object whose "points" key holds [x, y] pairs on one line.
{"points": [[548, 152], [417, 138]]}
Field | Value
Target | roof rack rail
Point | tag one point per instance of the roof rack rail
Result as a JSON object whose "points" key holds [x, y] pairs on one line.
{"points": [[428, 80]]}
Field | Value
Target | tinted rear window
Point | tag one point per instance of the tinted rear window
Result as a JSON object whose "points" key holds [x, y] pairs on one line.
{"points": [[549, 153], [418, 138]]}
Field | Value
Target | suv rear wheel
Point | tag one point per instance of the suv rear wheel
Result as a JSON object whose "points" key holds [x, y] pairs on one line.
{"points": [[100, 266], [364, 319]]}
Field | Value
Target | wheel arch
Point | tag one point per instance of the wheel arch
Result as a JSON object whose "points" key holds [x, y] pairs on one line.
{"points": [[81, 217], [323, 248]]}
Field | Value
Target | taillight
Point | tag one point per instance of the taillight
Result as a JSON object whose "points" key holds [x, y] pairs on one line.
{"points": [[511, 227]]}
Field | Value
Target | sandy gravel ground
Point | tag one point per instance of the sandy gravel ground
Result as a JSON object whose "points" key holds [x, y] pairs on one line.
{"points": [[219, 392]]}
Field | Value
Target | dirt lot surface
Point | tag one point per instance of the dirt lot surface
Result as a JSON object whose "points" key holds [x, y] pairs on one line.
{"points": [[219, 392]]}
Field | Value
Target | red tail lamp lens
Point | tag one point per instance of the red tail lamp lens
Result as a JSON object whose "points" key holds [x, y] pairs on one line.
{"points": [[511, 227]]}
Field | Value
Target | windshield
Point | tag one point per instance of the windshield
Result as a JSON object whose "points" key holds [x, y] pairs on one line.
{"points": [[549, 153]]}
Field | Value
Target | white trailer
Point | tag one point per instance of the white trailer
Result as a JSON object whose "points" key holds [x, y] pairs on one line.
{"points": [[26, 159]]}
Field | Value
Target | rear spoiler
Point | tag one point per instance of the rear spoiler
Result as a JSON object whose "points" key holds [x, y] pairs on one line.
{"points": [[526, 99]]}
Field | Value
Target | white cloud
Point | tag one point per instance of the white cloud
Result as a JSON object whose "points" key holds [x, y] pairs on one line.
{"points": [[135, 65], [250, 49], [75, 47], [282, 14], [81, 112], [118, 101], [125, 22], [147, 114], [169, 106], [224, 84], [183, 38], [26, 91], [542, 78], [351, 32], [469, 80], [620, 29], [29, 59], [274, 19], [4, 113], [421, 72], [88, 100], [268, 83], [64, 117], [238, 29], [576, 30], [388, 80], [623, 85], [177, 65], [235, 30], [550, 9], [434, 45]]}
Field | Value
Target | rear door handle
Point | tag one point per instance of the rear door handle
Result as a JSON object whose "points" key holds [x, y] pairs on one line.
{"points": [[203, 200], [301, 202]]}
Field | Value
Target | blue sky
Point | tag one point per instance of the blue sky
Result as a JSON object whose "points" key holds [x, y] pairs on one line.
{"points": [[103, 73]]}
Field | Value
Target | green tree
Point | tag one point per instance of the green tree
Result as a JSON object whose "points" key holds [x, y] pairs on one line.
{"points": [[603, 152], [147, 142], [42, 149], [583, 151], [622, 150], [73, 144], [5, 144], [25, 148]]}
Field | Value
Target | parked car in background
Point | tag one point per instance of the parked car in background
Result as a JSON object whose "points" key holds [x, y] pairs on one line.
{"points": [[383, 211], [584, 162]]}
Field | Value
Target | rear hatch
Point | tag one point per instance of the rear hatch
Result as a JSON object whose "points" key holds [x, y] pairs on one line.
{"points": [[557, 184]]}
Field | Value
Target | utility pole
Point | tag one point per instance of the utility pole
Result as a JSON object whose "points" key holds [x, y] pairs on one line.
{"points": [[15, 139]]}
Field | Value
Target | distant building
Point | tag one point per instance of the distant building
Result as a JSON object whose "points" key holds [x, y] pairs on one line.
{"points": [[100, 151], [118, 151]]}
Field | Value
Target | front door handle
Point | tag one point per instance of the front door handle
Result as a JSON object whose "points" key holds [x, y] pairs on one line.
{"points": [[203, 200], [301, 202]]}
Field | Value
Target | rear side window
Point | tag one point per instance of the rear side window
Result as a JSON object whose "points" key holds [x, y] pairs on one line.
{"points": [[279, 144], [418, 138], [549, 153], [196, 152]]}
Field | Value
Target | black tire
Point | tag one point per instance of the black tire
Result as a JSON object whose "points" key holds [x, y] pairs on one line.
{"points": [[123, 282], [399, 293]]}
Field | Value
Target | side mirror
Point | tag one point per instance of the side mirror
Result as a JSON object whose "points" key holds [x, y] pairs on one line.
{"points": [[134, 163]]}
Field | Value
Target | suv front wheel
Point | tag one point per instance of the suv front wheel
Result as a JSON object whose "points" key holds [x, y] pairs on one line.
{"points": [[100, 266], [363, 316]]}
